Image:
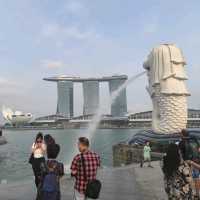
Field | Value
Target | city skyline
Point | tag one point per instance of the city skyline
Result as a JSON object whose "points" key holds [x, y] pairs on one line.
{"points": [[90, 38]]}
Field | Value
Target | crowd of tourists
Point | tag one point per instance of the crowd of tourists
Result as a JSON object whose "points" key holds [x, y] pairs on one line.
{"points": [[48, 171]]}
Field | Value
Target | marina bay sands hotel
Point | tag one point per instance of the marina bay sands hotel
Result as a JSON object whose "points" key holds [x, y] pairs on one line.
{"points": [[91, 94]]}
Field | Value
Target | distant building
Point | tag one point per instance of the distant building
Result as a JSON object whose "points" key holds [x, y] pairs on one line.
{"points": [[119, 106], [107, 121], [90, 94], [49, 121], [144, 119], [50, 118], [65, 104], [90, 97]]}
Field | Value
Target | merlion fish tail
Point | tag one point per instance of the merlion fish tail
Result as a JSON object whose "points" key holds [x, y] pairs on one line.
{"points": [[172, 113]]}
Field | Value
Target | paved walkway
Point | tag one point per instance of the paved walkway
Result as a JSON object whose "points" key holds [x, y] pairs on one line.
{"points": [[151, 181], [124, 183]]}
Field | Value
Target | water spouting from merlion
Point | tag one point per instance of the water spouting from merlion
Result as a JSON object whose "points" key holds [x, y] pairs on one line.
{"points": [[98, 116]]}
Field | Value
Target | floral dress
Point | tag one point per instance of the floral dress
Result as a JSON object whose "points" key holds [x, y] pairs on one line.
{"points": [[179, 187]]}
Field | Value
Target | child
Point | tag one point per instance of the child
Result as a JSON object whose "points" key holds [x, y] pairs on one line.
{"points": [[52, 172], [146, 154]]}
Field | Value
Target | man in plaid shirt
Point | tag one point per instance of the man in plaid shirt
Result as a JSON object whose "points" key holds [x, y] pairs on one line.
{"points": [[92, 163]]}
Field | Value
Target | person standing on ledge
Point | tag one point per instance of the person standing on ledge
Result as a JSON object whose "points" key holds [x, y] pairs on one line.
{"points": [[91, 165], [146, 155]]}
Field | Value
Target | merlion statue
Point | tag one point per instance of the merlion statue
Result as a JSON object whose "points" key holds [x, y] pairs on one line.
{"points": [[165, 67]]}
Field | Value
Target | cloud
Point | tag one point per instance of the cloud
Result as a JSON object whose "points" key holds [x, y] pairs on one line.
{"points": [[75, 33], [150, 24], [7, 83], [11, 87], [150, 28], [75, 7], [52, 64], [60, 32]]}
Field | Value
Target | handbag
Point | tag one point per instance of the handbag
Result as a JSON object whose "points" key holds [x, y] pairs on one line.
{"points": [[93, 187], [31, 158]]}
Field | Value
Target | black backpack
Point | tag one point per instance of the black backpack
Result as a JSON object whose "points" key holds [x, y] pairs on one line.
{"points": [[93, 188]]}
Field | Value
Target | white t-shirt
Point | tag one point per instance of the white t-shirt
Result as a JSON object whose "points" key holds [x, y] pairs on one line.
{"points": [[39, 152]]}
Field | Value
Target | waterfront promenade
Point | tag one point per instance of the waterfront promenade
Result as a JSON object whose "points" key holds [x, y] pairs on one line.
{"points": [[124, 183]]}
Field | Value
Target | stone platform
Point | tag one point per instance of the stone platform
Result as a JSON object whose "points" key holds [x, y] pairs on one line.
{"points": [[130, 182]]}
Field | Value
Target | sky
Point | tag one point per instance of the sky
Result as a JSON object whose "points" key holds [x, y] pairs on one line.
{"points": [[86, 38]]}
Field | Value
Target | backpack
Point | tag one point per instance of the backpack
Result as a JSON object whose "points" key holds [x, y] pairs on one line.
{"points": [[50, 183], [50, 186]]}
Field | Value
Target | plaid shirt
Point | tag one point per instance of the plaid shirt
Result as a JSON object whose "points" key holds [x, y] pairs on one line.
{"points": [[92, 163]]}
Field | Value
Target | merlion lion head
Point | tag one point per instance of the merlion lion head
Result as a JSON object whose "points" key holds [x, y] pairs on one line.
{"points": [[165, 67]]}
